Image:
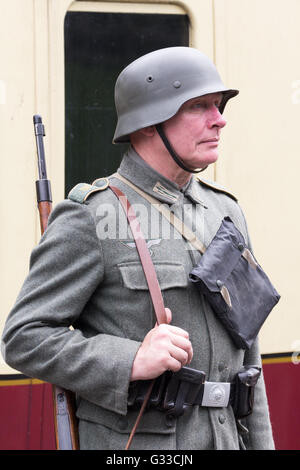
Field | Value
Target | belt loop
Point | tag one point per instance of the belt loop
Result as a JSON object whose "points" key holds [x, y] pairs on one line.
{"points": [[179, 406]]}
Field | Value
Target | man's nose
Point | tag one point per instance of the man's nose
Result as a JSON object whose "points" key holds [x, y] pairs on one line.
{"points": [[215, 118]]}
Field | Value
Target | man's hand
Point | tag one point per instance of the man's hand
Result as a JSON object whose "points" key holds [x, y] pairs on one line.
{"points": [[165, 347]]}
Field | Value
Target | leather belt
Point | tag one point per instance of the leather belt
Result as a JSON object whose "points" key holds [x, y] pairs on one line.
{"points": [[211, 394], [188, 387], [191, 384], [173, 392]]}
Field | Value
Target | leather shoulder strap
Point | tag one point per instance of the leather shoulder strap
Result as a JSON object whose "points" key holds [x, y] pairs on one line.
{"points": [[153, 285], [148, 267]]}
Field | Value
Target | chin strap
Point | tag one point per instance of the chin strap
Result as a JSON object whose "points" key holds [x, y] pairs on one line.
{"points": [[173, 153]]}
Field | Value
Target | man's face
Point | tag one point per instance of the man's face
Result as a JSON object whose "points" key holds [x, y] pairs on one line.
{"points": [[194, 132]]}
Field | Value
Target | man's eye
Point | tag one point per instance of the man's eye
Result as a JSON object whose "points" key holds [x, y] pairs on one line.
{"points": [[198, 105], [203, 104]]}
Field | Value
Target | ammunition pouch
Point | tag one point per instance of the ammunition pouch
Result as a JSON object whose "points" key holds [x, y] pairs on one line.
{"points": [[243, 397], [139, 388], [175, 392]]}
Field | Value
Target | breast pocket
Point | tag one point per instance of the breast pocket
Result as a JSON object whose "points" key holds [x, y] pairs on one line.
{"points": [[173, 283]]}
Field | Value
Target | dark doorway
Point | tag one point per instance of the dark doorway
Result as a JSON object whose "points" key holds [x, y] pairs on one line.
{"points": [[97, 47]]}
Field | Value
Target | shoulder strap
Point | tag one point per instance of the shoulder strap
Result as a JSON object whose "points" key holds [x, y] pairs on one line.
{"points": [[177, 223], [215, 186], [82, 191], [145, 257], [152, 281]]}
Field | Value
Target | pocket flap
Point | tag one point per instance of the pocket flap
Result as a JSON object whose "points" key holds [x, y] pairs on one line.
{"points": [[169, 275]]}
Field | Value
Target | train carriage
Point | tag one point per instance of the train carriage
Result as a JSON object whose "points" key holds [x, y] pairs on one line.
{"points": [[60, 59]]}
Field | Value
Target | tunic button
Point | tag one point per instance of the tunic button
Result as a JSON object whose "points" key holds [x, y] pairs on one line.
{"points": [[221, 366], [219, 283], [222, 419]]}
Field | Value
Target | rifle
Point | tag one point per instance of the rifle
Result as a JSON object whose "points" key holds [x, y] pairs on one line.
{"points": [[65, 422]]}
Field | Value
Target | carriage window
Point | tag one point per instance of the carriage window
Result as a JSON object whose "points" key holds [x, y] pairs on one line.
{"points": [[97, 47]]}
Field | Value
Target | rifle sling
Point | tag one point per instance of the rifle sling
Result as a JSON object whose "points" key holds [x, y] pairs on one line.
{"points": [[152, 282], [145, 257]]}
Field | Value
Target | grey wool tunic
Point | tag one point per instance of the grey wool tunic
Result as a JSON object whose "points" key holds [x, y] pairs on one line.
{"points": [[86, 273]]}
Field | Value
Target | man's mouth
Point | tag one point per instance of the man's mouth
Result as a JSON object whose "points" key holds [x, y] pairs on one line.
{"points": [[214, 139]]}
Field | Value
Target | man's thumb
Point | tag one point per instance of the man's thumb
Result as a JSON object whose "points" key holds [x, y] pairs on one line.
{"points": [[169, 315]]}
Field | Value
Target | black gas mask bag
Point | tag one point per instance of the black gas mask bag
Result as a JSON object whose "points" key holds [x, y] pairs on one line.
{"points": [[234, 284]]}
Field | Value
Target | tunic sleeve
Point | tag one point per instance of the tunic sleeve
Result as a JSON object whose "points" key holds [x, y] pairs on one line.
{"points": [[65, 269]]}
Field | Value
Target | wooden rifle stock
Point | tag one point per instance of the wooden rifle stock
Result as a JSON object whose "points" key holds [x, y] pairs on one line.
{"points": [[65, 422], [44, 208]]}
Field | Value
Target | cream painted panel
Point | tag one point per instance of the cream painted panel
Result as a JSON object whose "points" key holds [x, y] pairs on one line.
{"points": [[257, 51], [125, 7], [18, 165]]}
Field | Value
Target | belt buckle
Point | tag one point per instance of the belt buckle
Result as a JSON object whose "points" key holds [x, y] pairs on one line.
{"points": [[216, 394]]}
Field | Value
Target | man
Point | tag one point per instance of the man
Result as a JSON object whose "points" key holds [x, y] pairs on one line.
{"points": [[86, 273]]}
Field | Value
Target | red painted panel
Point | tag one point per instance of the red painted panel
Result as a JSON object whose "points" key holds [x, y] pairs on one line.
{"points": [[283, 390], [27, 421], [14, 403], [48, 433]]}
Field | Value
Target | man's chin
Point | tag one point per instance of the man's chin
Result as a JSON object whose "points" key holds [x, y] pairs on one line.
{"points": [[205, 162]]}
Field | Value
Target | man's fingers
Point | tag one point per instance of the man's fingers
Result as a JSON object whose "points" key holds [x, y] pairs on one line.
{"points": [[185, 345], [179, 354], [176, 336], [173, 329], [177, 341], [174, 365], [164, 347]]}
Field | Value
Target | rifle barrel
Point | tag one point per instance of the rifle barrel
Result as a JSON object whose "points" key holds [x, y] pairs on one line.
{"points": [[39, 131], [43, 187]]}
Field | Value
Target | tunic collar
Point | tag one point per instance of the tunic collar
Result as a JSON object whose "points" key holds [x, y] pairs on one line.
{"points": [[136, 170]]}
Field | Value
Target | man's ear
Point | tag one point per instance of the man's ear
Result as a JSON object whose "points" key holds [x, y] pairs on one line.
{"points": [[148, 131], [142, 135]]}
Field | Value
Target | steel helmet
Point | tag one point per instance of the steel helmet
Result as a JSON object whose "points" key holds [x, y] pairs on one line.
{"points": [[151, 89]]}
